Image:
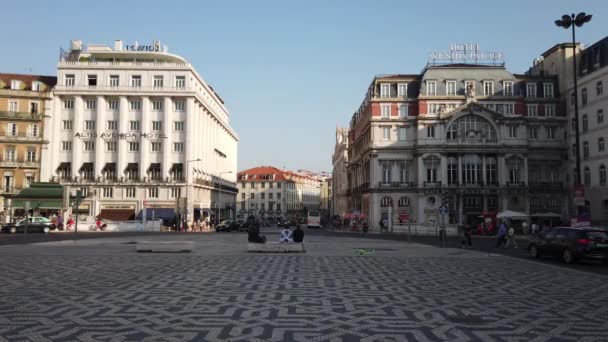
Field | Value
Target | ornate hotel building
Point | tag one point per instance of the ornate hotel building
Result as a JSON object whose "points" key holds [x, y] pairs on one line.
{"points": [[135, 126], [267, 191], [24, 102], [475, 138], [339, 175]]}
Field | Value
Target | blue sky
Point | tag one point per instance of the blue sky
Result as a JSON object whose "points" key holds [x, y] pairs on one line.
{"points": [[291, 71]]}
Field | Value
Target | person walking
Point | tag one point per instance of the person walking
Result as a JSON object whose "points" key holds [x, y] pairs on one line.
{"points": [[500, 236], [466, 239], [511, 238], [381, 224]]}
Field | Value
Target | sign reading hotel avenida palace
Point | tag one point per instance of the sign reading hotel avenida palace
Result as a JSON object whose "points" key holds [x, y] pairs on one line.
{"points": [[465, 134]]}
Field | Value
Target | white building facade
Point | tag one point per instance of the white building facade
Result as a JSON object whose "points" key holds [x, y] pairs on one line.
{"points": [[136, 127]]}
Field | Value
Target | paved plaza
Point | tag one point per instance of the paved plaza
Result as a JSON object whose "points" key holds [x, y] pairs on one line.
{"points": [[101, 290]]}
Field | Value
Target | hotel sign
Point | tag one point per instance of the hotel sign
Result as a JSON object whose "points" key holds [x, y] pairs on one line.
{"points": [[120, 136], [155, 47], [466, 53]]}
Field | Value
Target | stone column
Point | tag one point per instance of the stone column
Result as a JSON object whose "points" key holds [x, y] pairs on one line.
{"points": [[123, 127], [78, 144], [167, 143], [460, 170], [483, 173], [421, 175], [443, 174], [100, 147], [144, 143]]}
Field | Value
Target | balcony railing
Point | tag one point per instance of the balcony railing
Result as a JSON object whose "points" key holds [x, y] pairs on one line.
{"points": [[122, 88], [471, 141], [10, 189], [21, 116], [20, 136], [124, 64], [395, 185], [545, 186], [515, 184], [19, 163], [432, 184]]}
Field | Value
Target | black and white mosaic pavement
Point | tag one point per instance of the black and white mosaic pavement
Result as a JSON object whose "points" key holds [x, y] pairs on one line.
{"points": [[106, 292]]}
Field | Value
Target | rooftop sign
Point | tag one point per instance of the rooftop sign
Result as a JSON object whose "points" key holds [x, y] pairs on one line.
{"points": [[466, 53]]}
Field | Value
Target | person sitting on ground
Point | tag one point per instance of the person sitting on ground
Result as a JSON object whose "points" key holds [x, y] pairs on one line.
{"points": [[298, 235], [254, 235], [286, 236]]}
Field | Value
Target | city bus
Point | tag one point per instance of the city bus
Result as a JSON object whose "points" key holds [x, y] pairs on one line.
{"points": [[314, 219]]}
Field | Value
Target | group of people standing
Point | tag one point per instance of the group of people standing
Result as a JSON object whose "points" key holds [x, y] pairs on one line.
{"points": [[505, 236]]}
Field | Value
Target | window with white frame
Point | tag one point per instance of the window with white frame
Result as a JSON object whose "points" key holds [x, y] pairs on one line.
{"points": [[158, 81], [114, 80], [89, 125], [135, 80], [152, 192], [36, 85], [135, 104], [178, 147], [386, 133], [180, 82], [69, 80], [450, 88], [509, 108], [13, 106], [430, 131], [178, 125], [11, 129], [92, 80], [130, 192], [112, 125], [134, 125], [548, 90], [431, 88], [507, 88], [402, 133], [107, 192], [179, 105], [32, 130], [133, 146], [532, 132], [111, 146], [31, 154], [177, 192], [551, 132], [90, 104], [157, 125], [112, 104], [10, 153], [550, 110], [67, 124], [156, 146], [385, 110], [89, 145], [157, 104], [531, 90], [512, 131], [385, 90], [68, 103], [488, 88], [66, 145], [532, 110], [402, 89], [403, 110]]}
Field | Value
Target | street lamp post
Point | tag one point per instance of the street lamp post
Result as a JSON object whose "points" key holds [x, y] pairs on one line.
{"points": [[188, 186], [220, 196], [566, 22]]}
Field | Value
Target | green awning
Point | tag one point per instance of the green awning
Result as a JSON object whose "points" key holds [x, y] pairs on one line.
{"points": [[41, 190], [38, 204]]}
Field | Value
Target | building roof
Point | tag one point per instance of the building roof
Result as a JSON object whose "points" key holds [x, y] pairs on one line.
{"points": [[49, 81], [279, 175]]}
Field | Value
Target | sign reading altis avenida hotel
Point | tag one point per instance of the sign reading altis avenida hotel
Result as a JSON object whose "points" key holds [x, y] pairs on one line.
{"points": [[467, 53]]}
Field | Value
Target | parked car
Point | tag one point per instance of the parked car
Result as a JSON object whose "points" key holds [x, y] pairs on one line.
{"points": [[227, 226], [34, 224], [251, 222], [281, 223], [571, 244]]}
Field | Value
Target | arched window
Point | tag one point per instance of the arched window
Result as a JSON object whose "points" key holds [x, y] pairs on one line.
{"points": [[515, 167], [471, 128], [386, 202], [602, 174], [587, 176], [403, 202], [491, 171], [471, 173], [431, 165]]}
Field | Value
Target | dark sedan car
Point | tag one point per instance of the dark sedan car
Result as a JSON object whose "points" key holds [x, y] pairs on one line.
{"points": [[32, 224], [571, 244], [227, 226]]}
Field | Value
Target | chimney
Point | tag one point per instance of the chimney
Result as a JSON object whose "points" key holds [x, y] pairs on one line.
{"points": [[118, 45], [76, 45]]}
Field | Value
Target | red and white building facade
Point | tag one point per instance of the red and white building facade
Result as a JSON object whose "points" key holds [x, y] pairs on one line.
{"points": [[474, 138]]}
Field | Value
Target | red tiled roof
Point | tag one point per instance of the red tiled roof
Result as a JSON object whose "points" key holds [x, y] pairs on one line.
{"points": [[279, 174], [49, 81]]}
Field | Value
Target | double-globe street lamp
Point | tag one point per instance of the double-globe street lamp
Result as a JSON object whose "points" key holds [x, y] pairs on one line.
{"points": [[566, 22], [188, 188]]}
